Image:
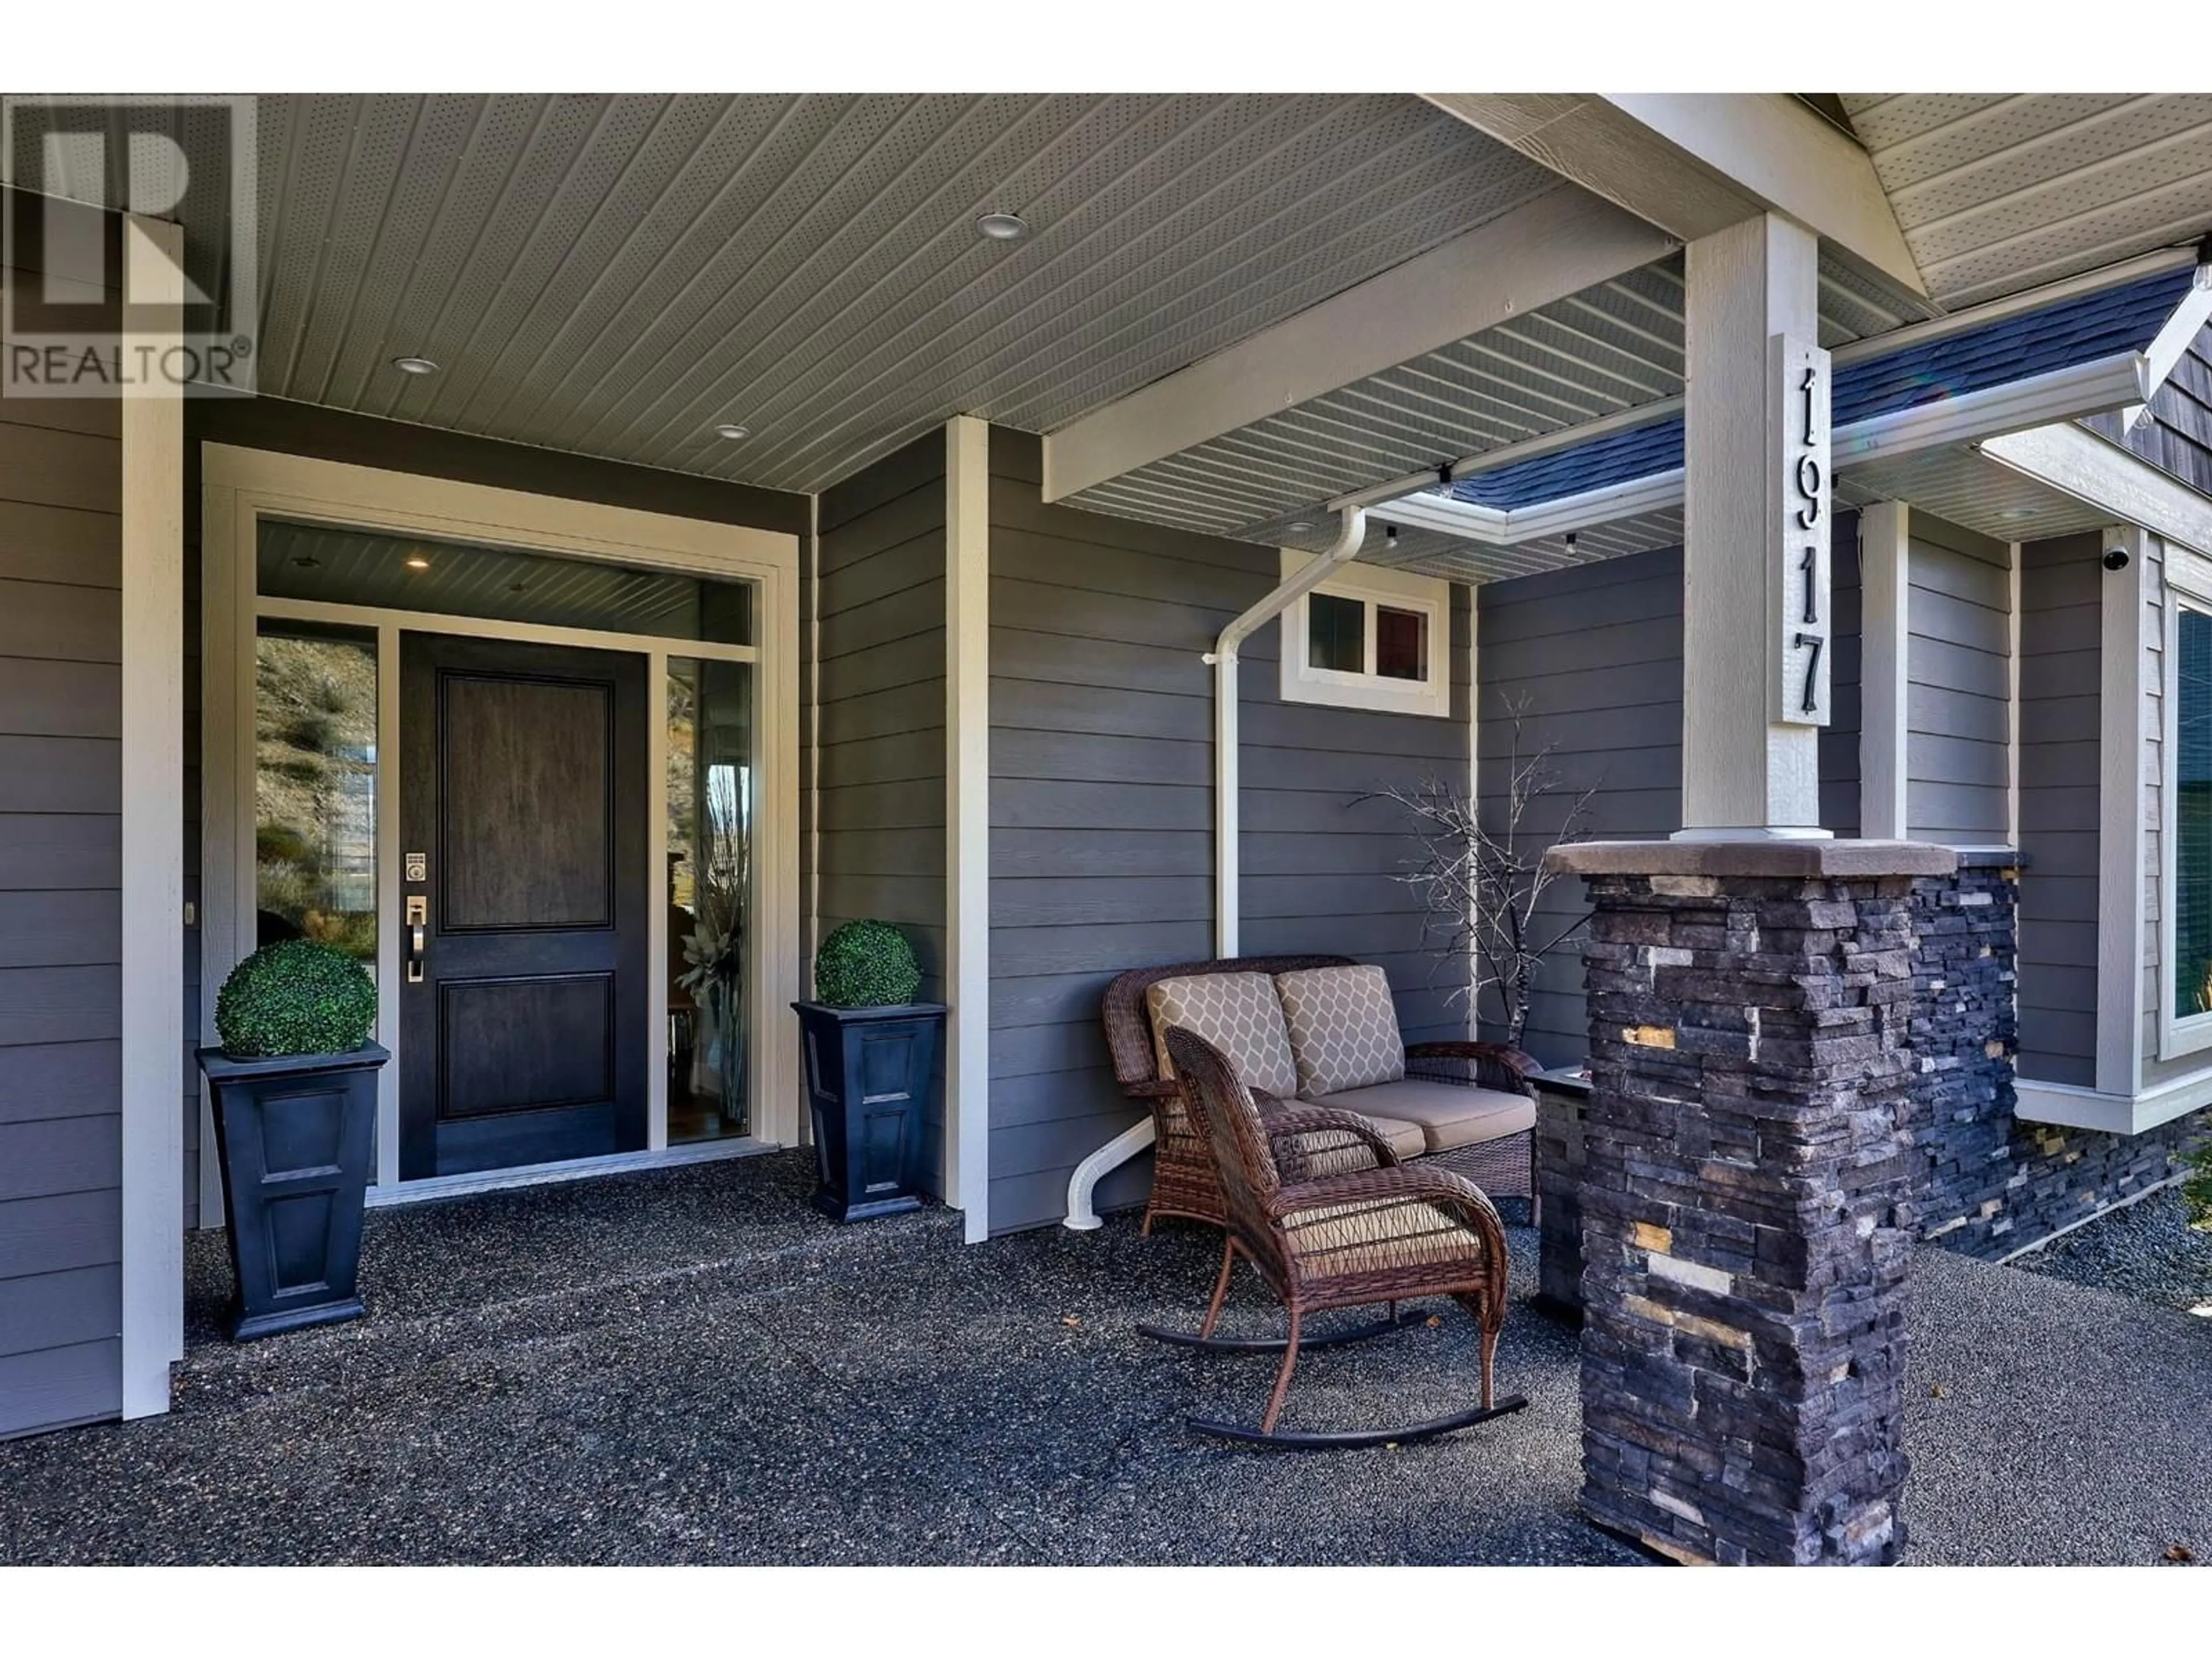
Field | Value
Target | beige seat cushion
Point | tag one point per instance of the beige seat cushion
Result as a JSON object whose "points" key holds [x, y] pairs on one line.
{"points": [[1450, 1114], [1377, 1237], [1238, 1014], [1343, 1027]]}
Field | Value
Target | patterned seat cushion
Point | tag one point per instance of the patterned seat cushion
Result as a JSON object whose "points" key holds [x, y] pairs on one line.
{"points": [[1238, 1014], [1343, 1027]]}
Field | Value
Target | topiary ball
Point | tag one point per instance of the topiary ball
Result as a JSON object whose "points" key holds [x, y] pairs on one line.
{"points": [[297, 996], [866, 964]]}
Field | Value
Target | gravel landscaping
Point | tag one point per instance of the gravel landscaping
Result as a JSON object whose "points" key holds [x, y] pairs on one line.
{"points": [[2147, 1251], [690, 1365]]}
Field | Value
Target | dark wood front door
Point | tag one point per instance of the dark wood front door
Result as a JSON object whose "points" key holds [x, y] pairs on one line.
{"points": [[523, 1016]]}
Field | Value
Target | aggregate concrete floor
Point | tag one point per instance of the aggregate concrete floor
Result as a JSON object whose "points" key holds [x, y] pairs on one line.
{"points": [[689, 1366]]}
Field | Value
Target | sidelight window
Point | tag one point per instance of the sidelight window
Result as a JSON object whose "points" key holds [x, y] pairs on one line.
{"points": [[315, 788]]}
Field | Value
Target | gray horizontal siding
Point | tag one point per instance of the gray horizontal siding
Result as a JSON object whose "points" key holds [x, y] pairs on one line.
{"points": [[61, 879], [879, 679], [1959, 668], [1101, 775], [1589, 659], [2061, 633]]}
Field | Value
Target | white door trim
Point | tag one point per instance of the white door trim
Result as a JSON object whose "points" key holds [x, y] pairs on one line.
{"points": [[240, 485]]}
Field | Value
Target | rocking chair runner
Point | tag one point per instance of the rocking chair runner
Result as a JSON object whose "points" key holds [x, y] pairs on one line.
{"points": [[1387, 1234]]}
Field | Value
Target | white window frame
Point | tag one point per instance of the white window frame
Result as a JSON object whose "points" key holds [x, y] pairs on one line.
{"points": [[1431, 596], [2188, 587]]}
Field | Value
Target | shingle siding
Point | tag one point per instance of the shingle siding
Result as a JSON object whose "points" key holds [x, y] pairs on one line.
{"points": [[61, 879], [879, 679], [1101, 803], [2176, 434]]}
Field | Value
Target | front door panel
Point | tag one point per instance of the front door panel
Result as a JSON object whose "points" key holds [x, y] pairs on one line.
{"points": [[523, 1017]]}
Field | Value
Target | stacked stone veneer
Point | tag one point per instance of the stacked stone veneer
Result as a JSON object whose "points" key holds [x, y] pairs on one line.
{"points": [[1746, 1165], [1983, 1182]]}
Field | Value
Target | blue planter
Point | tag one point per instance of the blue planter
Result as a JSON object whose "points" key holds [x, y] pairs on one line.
{"points": [[871, 1082], [297, 1137]]}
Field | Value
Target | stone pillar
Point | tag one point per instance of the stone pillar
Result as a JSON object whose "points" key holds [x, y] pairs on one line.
{"points": [[1745, 1162]]}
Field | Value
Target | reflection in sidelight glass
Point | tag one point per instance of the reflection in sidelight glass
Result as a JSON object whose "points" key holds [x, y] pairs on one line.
{"points": [[314, 786], [2192, 814], [709, 852]]}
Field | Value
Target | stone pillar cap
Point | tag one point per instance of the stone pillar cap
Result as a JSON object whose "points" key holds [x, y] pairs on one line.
{"points": [[1778, 857]]}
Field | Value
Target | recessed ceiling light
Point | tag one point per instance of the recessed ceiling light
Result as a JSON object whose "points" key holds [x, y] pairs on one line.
{"points": [[2018, 512], [414, 365], [1002, 226], [416, 562], [732, 431], [1297, 525]]}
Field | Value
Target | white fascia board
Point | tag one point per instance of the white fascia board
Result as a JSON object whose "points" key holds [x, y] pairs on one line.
{"points": [[1559, 244], [2061, 397], [2063, 394], [2074, 1107], [1694, 163], [2076, 462], [1874, 345]]}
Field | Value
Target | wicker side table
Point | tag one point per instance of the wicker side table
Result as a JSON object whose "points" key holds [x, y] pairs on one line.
{"points": [[1562, 1100]]}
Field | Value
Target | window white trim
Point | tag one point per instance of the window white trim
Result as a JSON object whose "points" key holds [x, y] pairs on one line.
{"points": [[2188, 587], [1429, 596]]}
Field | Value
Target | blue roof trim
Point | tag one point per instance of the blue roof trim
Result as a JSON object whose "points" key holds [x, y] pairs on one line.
{"points": [[2081, 330]]}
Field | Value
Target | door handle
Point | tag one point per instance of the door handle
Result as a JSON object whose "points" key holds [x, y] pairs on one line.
{"points": [[418, 916]]}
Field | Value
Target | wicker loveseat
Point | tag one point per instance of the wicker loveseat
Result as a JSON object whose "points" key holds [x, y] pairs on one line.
{"points": [[1320, 1031]]}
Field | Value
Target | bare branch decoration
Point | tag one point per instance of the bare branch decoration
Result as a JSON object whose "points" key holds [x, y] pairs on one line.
{"points": [[1482, 884]]}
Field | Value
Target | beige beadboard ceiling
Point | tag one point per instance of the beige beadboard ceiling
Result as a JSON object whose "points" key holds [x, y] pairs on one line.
{"points": [[616, 274], [613, 276]]}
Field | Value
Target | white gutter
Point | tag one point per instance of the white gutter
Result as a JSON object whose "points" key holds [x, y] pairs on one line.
{"points": [[2063, 394], [1081, 1216]]}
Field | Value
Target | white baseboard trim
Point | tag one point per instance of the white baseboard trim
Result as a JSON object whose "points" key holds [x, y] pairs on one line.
{"points": [[2074, 1107], [582, 1169]]}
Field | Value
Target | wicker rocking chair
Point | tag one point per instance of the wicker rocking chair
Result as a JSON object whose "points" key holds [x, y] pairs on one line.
{"points": [[1324, 1241]]}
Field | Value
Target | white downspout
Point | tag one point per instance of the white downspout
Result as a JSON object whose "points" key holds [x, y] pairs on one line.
{"points": [[1126, 1145]]}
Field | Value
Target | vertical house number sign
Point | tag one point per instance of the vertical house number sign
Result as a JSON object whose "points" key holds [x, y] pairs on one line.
{"points": [[1798, 424]]}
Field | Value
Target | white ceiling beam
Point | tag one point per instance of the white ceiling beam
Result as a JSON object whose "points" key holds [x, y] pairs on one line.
{"points": [[1693, 163], [1557, 244]]}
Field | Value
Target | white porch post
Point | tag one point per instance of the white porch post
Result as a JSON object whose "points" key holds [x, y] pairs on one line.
{"points": [[1885, 649], [1750, 753], [153, 989]]}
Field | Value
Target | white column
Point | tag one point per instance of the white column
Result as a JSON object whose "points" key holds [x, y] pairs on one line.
{"points": [[968, 821], [1750, 750], [153, 431], [1885, 636]]}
